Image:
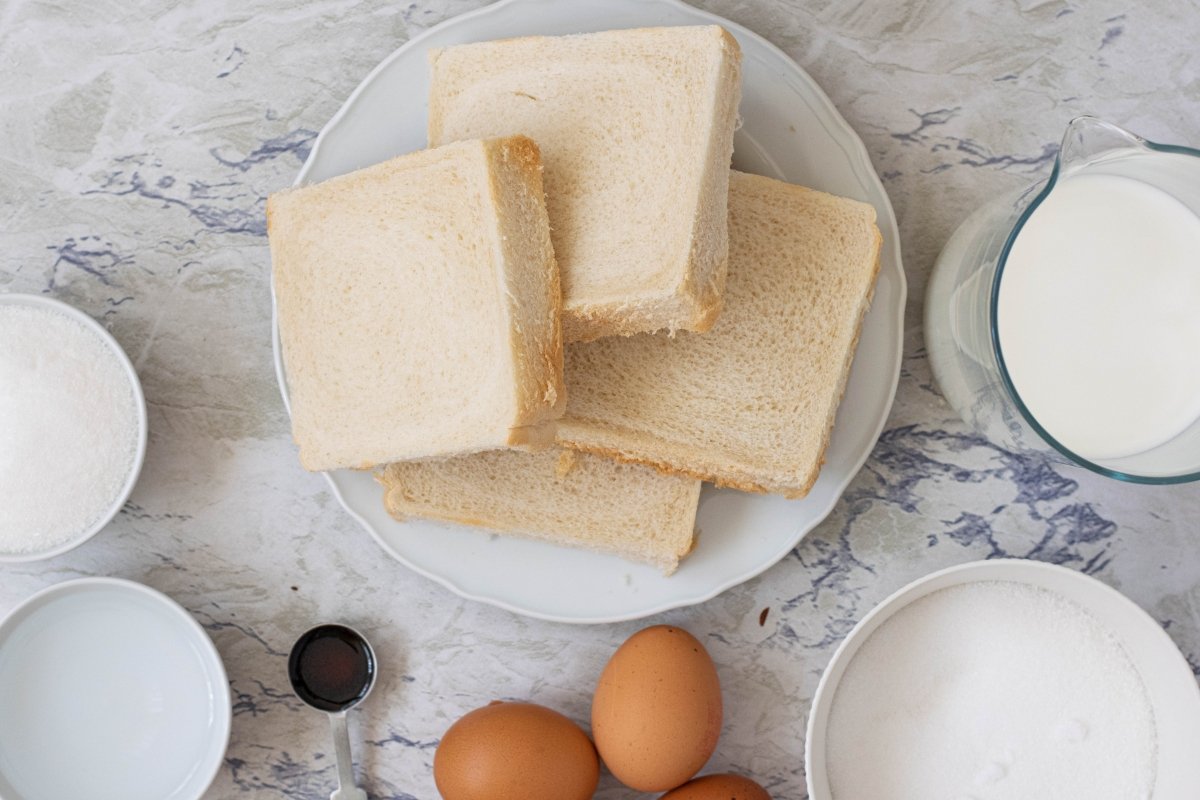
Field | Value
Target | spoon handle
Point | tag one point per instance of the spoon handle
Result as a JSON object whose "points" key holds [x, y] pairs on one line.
{"points": [[345, 764]]}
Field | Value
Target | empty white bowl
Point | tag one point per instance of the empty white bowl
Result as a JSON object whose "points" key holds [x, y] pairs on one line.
{"points": [[135, 467], [109, 690], [1169, 682]]}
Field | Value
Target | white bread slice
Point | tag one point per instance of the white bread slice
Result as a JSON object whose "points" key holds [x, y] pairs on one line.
{"points": [[561, 496], [751, 403], [419, 307], [636, 131]]}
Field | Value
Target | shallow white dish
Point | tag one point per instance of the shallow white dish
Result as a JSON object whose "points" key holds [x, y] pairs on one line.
{"points": [[790, 130], [1168, 679], [139, 402], [111, 691]]}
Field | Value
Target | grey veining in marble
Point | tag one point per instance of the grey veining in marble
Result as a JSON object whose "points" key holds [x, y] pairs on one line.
{"points": [[138, 142]]}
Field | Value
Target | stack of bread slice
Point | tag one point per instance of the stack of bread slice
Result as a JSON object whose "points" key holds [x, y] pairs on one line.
{"points": [[578, 189]]}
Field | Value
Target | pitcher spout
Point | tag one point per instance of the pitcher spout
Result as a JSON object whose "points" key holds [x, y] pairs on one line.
{"points": [[1088, 138]]}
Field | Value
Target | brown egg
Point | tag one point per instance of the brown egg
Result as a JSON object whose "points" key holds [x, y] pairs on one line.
{"points": [[515, 751], [718, 787], [656, 714]]}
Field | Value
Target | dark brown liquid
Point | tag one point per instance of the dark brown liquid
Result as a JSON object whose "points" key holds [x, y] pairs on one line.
{"points": [[331, 667]]}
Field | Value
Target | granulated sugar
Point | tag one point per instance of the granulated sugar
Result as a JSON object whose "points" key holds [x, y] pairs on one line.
{"points": [[68, 428], [991, 691]]}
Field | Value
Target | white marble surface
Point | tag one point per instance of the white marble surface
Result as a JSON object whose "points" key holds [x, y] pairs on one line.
{"points": [[138, 142]]}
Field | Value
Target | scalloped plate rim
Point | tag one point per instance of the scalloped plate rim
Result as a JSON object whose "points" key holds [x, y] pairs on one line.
{"points": [[860, 162]]}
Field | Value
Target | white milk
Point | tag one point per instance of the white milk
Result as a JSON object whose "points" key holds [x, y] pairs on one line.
{"points": [[1099, 315]]}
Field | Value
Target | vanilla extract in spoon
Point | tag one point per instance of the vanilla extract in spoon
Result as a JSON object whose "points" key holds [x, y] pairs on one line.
{"points": [[332, 668]]}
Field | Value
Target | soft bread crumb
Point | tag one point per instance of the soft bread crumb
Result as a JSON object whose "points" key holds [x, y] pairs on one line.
{"points": [[636, 131], [596, 503], [751, 403], [442, 251]]}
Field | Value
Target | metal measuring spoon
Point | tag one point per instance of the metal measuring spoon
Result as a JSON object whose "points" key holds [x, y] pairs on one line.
{"points": [[332, 668]]}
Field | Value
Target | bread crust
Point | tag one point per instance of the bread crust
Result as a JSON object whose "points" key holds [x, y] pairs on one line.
{"points": [[541, 398], [533, 437], [687, 312]]}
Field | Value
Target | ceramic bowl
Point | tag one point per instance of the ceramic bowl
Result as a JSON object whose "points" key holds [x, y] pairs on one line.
{"points": [[1169, 682], [135, 467], [110, 690]]}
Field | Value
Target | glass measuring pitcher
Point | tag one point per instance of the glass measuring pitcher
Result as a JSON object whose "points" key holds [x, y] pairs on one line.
{"points": [[974, 352]]}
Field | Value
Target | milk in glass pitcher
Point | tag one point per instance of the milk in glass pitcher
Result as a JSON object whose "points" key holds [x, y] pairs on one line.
{"points": [[1065, 319]]}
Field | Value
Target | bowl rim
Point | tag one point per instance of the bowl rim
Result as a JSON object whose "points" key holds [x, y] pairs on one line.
{"points": [[219, 677], [135, 467], [1034, 573]]}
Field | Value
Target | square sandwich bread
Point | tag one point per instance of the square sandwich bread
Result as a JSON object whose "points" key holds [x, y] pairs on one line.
{"points": [[419, 306], [751, 403], [560, 496], [636, 131]]}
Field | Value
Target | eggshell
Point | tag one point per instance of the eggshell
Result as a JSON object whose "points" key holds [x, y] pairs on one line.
{"points": [[515, 751], [656, 714], [718, 787]]}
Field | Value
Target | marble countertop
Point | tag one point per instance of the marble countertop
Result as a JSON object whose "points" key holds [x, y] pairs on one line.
{"points": [[138, 143]]}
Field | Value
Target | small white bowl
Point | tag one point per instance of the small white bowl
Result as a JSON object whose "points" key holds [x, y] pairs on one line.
{"points": [[139, 402], [110, 690], [1168, 679]]}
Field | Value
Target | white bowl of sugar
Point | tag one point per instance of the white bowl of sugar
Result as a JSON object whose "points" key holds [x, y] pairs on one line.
{"points": [[72, 427], [1001, 680]]}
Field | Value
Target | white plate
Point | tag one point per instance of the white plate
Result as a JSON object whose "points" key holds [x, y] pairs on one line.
{"points": [[790, 130], [139, 401], [109, 690], [1168, 679]]}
